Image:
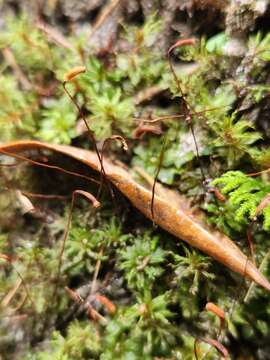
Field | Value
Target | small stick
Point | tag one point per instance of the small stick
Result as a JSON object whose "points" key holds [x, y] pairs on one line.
{"points": [[10, 59], [176, 116], [10, 165], [8, 297], [44, 196], [259, 172], [265, 259], [250, 242], [25, 287], [125, 148], [106, 11], [141, 130], [53, 34], [106, 302], [10, 261], [215, 343], [97, 268]]}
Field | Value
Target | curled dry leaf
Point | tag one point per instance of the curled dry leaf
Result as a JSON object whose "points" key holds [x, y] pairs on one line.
{"points": [[173, 219], [25, 204]]}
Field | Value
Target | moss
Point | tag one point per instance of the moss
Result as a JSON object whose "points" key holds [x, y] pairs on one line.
{"points": [[149, 291]]}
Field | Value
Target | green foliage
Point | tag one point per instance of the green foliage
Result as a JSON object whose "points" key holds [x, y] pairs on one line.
{"points": [[178, 154], [105, 92], [258, 92], [219, 100], [17, 112], [145, 36], [142, 65], [59, 119], [259, 53], [262, 157], [245, 194], [84, 244], [110, 112], [192, 266], [143, 330], [220, 216], [234, 138], [81, 342], [216, 43], [29, 45], [141, 262], [161, 289]]}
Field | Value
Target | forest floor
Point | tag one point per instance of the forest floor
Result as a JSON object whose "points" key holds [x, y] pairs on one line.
{"points": [[135, 207]]}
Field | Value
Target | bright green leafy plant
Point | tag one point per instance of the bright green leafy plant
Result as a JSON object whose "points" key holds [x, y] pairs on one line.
{"points": [[245, 194]]}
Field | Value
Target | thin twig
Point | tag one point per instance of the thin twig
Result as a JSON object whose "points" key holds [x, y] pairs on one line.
{"points": [[8, 297], [265, 259], [106, 11], [96, 204], [161, 157], [90, 132], [188, 107], [250, 242], [177, 116], [97, 268], [44, 196], [11, 61], [258, 173], [125, 148], [25, 287], [53, 34]]}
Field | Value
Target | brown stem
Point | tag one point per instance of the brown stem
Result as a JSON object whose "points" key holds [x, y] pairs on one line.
{"points": [[188, 107], [161, 157], [96, 204], [90, 132]]}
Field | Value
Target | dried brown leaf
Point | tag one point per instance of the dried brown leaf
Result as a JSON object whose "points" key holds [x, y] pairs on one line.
{"points": [[171, 218]]}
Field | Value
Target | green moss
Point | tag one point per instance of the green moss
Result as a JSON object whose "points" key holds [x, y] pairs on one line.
{"points": [[159, 288]]}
